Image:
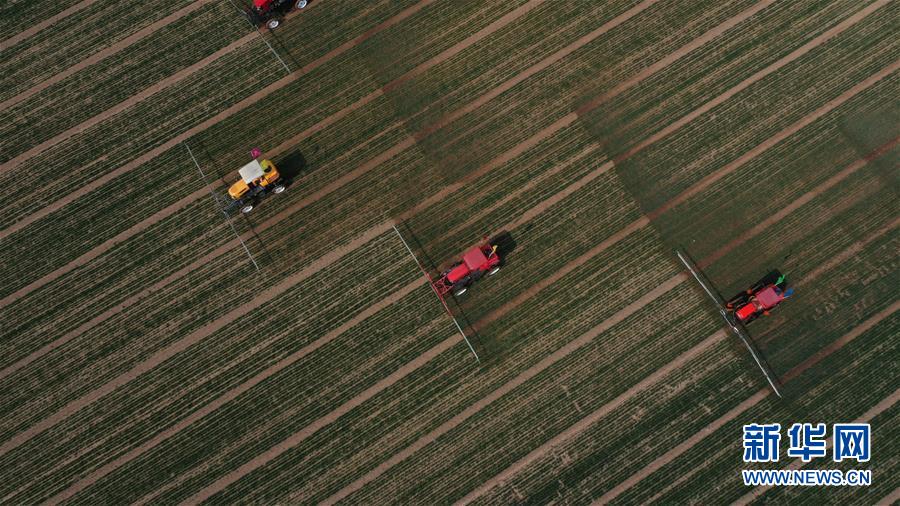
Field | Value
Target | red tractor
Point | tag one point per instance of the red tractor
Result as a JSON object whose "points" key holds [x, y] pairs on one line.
{"points": [[267, 12], [476, 263], [757, 300]]}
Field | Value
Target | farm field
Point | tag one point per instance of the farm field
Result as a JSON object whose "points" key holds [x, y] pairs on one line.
{"points": [[155, 350]]}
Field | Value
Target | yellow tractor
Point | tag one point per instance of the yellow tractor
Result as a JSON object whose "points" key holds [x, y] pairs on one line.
{"points": [[258, 180]]}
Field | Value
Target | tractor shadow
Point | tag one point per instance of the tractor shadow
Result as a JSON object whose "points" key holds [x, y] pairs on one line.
{"points": [[292, 167], [282, 49], [505, 243]]}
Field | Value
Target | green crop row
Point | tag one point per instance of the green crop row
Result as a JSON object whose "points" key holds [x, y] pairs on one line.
{"points": [[710, 70], [298, 395], [227, 352], [106, 145], [432, 394], [764, 109], [26, 13], [558, 398], [73, 39], [126, 270], [117, 78], [837, 390], [118, 350]]}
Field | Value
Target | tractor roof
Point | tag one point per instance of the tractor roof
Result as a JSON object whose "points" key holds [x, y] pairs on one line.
{"points": [[769, 297], [251, 172], [474, 258]]}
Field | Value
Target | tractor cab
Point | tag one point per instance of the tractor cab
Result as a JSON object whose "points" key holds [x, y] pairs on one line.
{"points": [[759, 299], [476, 262], [258, 178]]}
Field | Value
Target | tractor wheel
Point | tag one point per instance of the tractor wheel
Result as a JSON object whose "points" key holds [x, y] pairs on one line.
{"points": [[460, 291], [272, 24], [247, 208], [493, 271], [278, 189], [301, 4]]}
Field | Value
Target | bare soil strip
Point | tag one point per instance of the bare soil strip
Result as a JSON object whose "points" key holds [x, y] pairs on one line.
{"points": [[874, 411], [790, 57], [127, 103], [193, 338], [892, 498], [104, 53], [744, 406], [30, 32], [234, 393], [230, 111], [831, 105], [597, 415]]}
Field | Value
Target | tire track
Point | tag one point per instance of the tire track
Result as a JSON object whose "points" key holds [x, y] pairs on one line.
{"points": [[43, 25], [874, 411], [131, 101], [890, 499], [103, 53], [223, 115], [192, 338], [232, 394]]}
